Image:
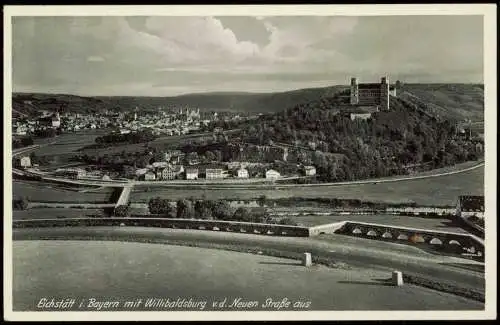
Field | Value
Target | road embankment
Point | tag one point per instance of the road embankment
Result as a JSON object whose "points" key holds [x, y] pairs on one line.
{"points": [[336, 251]]}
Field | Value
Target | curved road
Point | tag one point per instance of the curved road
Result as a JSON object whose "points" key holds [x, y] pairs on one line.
{"points": [[352, 251]]}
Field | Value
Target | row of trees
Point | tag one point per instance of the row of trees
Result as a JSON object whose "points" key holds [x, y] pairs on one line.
{"points": [[211, 210], [133, 137]]}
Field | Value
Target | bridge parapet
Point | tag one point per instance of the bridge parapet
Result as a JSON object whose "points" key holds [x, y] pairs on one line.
{"points": [[448, 242], [213, 225]]}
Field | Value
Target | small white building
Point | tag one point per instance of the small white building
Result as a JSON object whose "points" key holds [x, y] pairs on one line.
{"points": [[470, 205], [149, 176], [242, 173], [160, 164], [309, 170], [191, 173], [360, 116], [169, 172], [21, 130], [23, 162], [272, 174], [213, 173], [56, 120], [140, 172]]}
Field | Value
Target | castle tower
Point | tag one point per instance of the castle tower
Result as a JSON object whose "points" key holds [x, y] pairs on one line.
{"points": [[354, 91], [384, 94]]}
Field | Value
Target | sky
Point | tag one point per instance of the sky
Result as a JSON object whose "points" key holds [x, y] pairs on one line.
{"points": [[168, 56]]}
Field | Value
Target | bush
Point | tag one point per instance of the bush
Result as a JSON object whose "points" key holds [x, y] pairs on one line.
{"points": [[160, 206], [242, 214], [221, 210], [122, 211], [20, 204], [185, 209], [287, 221]]}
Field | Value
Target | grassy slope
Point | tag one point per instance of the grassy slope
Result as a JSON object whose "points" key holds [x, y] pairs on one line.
{"points": [[453, 100], [105, 269], [432, 191]]}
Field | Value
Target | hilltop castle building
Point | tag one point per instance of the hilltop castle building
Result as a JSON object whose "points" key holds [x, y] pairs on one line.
{"points": [[372, 94]]}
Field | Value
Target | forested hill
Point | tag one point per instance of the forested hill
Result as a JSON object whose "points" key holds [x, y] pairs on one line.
{"points": [[456, 101], [387, 144]]}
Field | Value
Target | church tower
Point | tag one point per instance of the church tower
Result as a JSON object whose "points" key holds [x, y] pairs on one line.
{"points": [[354, 92]]}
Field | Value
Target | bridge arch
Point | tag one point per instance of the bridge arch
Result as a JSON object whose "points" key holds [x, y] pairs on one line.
{"points": [[386, 235], [417, 239], [372, 233], [454, 242], [403, 237], [357, 231], [436, 241]]}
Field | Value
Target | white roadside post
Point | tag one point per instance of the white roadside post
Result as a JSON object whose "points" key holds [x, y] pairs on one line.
{"points": [[397, 278], [307, 260]]}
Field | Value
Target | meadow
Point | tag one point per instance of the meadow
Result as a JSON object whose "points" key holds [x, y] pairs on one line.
{"points": [[39, 192], [438, 191], [119, 270], [68, 143], [55, 213]]}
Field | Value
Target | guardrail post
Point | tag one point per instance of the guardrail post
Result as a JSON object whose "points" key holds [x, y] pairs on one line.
{"points": [[397, 278], [307, 260]]}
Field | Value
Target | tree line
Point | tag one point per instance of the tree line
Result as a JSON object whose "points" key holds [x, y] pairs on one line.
{"points": [[205, 210], [21, 142], [132, 137]]}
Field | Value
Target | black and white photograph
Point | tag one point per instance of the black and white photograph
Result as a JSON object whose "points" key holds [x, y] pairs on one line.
{"points": [[252, 163]]}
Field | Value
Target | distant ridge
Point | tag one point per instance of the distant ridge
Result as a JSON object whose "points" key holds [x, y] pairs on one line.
{"points": [[454, 101]]}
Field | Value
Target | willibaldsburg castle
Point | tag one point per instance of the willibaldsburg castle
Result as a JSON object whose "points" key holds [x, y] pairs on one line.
{"points": [[372, 94]]}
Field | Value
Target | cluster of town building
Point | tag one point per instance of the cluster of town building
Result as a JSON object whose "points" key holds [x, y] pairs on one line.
{"points": [[172, 122], [162, 171]]}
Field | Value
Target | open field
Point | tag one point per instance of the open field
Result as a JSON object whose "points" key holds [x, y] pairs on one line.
{"points": [[40, 192], [431, 191], [111, 271], [51, 213], [160, 143], [68, 143], [440, 224]]}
